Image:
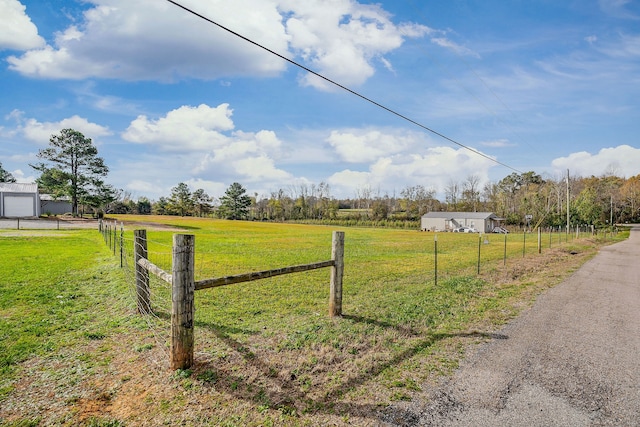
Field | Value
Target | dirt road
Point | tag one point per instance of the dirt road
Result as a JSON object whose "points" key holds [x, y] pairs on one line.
{"points": [[572, 360]]}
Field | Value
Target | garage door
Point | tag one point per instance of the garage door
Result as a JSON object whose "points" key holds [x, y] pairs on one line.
{"points": [[18, 206]]}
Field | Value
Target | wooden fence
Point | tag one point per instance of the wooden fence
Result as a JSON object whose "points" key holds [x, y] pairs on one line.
{"points": [[183, 287]]}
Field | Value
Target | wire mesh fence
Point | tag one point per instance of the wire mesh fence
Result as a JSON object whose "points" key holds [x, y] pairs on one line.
{"points": [[374, 268]]}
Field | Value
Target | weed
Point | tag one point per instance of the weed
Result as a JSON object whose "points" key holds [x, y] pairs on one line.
{"points": [[182, 373], [95, 335], [400, 396], [24, 422], [208, 376], [143, 347], [102, 422]]}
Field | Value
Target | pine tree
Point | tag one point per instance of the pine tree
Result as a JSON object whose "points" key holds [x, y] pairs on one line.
{"points": [[235, 203], [76, 169]]}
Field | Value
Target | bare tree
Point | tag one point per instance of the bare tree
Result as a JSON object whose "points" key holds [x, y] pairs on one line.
{"points": [[471, 191], [452, 194]]}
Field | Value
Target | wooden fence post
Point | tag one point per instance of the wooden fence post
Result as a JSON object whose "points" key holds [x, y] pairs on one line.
{"points": [[539, 240], [182, 301], [504, 258], [142, 276], [337, 271]]}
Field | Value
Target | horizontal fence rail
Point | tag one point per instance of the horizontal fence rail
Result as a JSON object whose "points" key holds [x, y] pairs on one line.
{"points": [[152, 268], [183, 287], [258, 275]]}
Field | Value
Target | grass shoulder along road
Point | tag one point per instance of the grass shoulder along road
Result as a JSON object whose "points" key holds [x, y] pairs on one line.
{"points": [[74, 352]]}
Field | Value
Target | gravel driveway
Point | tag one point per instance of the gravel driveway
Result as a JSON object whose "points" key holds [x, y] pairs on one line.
{"points": [[46, 224], [573, 359]]}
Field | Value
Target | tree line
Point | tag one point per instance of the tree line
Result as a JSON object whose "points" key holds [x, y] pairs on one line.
{"points": [[525, 199], [71, 168]]}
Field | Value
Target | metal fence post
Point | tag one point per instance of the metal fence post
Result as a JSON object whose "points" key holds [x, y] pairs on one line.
{"points": [[479, 246], [121, 245]]}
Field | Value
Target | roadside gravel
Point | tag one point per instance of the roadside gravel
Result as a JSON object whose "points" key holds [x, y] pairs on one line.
{"points": [[52, 223], [573, 359]]}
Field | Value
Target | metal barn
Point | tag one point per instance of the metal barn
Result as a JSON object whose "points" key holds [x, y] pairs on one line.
{"points": [[19, 200]]}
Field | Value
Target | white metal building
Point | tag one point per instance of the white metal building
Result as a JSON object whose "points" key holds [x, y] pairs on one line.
{"points": [[484, 222], [19, 200]]}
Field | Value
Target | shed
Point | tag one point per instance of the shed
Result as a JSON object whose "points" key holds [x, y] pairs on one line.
{"points": [[52, 206], [19, 200], [484, 222]]}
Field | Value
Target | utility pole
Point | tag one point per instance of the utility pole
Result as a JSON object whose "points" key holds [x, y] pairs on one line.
{"points": [[611, 214]]}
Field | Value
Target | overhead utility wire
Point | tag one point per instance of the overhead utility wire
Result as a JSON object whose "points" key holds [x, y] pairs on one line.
{"points": [[377, 104]]}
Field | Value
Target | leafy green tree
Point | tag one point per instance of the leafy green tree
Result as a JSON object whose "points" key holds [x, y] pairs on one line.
{"points": [[143, 206], [161, 207], [100, 197], [74, 168], [235, 202], [202, 202], [6, 176], [180, 200], [587, 208], [379, 209]]}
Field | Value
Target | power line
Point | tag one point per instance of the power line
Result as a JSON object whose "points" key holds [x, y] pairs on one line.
{"points": [[377, 104]]}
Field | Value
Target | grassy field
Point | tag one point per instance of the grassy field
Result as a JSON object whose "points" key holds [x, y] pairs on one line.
{"points": [[73, 351]]}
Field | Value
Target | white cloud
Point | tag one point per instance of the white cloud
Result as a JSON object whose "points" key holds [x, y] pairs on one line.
{"points": [[141, 187], [498, 143], [623, 159], [40, 132], [348, 181], [212, 188], [433, 169], [618, 9], [342, 39], [20, 176], [208, 146], [451, 45], [246, 156], [17, 31], [625, 47], [360, 146], [184, 129], [151, 40]]}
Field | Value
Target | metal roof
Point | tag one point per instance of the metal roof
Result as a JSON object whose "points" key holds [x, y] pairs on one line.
{"points": [[18, 187], [459, 215]]}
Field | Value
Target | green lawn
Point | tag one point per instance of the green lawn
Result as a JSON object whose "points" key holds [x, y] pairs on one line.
{"points": [[266, 351]]}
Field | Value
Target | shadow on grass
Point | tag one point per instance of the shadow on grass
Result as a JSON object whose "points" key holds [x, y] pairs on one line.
{"points": [[283, 391]]}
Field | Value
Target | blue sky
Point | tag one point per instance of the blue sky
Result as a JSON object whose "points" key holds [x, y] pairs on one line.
{"points": [[538, 85]]}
